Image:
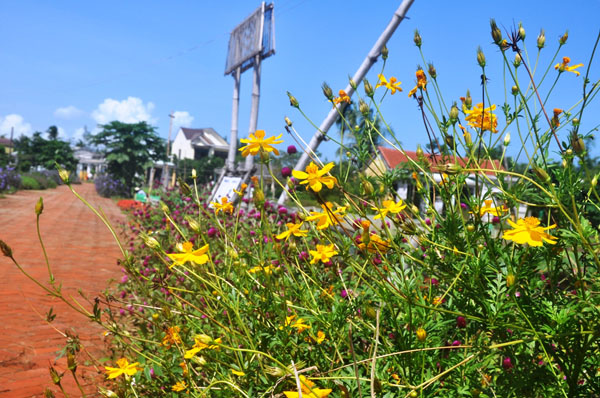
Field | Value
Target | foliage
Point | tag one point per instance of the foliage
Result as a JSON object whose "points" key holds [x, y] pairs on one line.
{"points": [[29, 182], [129, 149], [45, 153], [5, 158], [205, 167]]}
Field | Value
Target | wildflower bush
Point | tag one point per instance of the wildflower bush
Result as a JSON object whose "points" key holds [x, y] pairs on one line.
{"points": [[108, 186], [371, 296], [10, 180]]}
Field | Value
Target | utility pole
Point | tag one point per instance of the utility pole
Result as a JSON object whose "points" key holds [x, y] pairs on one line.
{"points": [[171, 117], [12, 132]]}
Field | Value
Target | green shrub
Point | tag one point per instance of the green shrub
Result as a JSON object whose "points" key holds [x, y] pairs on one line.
{"points": [[29, 182]]}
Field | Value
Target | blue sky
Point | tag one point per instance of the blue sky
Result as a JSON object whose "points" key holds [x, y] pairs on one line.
{"points": [[75, 64]]}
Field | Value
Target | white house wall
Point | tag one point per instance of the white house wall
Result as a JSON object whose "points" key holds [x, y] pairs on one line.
{"points": [[182, 147]]}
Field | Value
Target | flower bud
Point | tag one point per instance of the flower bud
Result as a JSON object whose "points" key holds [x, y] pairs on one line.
{"points": [[194, 175], [363, 107], [563, 38], [480, 57], [510, 280], [417, 39], [578, 145], [259, 196], [288, 121], [368, 88], [451, 168], [506, 139], [64, 175], [184, 188], [541, 40], [514, 90], [420, 153], [384, 52], [327, 92], [48, 393], [517, 61], [496, 32], [151, 242], [293, 100], [541, 174], [521, 31], [421, 334], [6, 250], [55, 376], [71, 362], [469, 100], [594, 181], [367, 187], [352, 83], [449, 140], [39, 206], [468, 140], [431, 70], [194, 225], [164, 208], [454, 113]]}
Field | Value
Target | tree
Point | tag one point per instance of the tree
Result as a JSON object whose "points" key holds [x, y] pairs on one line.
{"points": [[129, 149], [38, 151]]}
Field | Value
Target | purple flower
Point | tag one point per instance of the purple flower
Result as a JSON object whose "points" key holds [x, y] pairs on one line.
{"points": [[212, 231], [344, 294], [291, 150], [507, 364], [286, 172], [303, 255], [461, 322]]}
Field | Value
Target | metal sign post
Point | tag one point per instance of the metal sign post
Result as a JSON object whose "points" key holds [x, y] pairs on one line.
{"points": [[249, 43], [319, 135]]}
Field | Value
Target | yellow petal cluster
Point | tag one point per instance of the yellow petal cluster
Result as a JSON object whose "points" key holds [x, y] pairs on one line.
{"points": [[309, 390], [123, 368], [257, 142], [314, 177], [323, 253], [393, 84], [483, 119], [328, 217], [528, 230], [389, 206], [188, 254]]}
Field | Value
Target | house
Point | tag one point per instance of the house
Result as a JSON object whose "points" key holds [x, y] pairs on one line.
{"points": [[7, 144], [387, 159], [89, 164], [197, 143]]}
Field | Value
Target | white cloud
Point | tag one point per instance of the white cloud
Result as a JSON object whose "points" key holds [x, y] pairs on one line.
{"points": [[78, 134], [68, 112], [130, 110], [13, 120], [182, 119]]}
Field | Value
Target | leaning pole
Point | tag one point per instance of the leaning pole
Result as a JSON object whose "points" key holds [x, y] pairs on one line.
{"points": [[371, 58]]}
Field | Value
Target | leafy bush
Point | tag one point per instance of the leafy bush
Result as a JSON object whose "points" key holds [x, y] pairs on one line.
{"points": [[10, 180], [109, 187], [43, 180], [30, 182]]}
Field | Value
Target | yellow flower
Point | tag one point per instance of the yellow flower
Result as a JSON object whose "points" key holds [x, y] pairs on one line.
{"points": [[314, 177], [323, 253], [481, 118], [391, 85], [564, 66], [242, 190], [389, 206], [556, 117], [528, 230], [376, 244], [300, 325], [487, 208], [320, 337], [328, 217], [201, 342], [238, 373], [308, 390], [189, 254], [172, 337], [421, 82], [124, 367], [293, 229], [268, 270], [225, 206], [257, 142], [421, 334], [342, 98], [179, 386]]}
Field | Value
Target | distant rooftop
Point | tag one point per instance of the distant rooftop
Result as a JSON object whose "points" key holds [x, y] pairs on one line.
{"points": [[204, 137]]}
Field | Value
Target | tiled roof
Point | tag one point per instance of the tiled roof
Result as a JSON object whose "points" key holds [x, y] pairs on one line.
{"points": [[5, 142], [204, 137], [393, 158]]}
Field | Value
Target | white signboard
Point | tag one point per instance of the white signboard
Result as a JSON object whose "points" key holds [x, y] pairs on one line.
{"points": [[226, 188]]}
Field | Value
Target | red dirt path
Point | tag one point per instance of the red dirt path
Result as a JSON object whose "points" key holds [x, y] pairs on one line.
{"points": [[83, 256]]}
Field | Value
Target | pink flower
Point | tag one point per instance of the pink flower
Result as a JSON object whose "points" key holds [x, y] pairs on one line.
{"points": [[461, 322], [286, 172], [291, 150], [507, 364]]}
